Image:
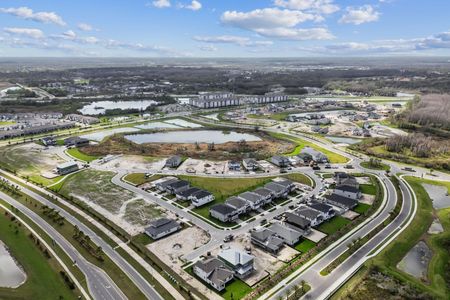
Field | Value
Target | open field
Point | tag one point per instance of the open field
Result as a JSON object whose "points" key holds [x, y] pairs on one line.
{"points": [[140, 178], [333, 225], [139, 212], [42, 273], [304, 245], [30, 160], [381, 166], [7, 123], [300, 144]]}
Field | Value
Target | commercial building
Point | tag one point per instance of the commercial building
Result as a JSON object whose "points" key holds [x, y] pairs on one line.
{"points": [[67, 167]]}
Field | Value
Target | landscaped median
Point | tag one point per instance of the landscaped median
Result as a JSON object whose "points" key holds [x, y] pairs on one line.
{"points": [[77, 154]]}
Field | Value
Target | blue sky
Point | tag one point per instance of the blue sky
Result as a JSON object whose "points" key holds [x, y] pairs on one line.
{"points": [[224, 28]]}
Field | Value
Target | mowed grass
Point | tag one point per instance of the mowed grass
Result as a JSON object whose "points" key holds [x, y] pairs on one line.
{"points": [[369, 189], [381, 166], [43, 275], [333, 225], [332, 156], [304, 245], [140, 178], [438, 268], [76, 153], [235, 290], [7, 123], [361, 208]]}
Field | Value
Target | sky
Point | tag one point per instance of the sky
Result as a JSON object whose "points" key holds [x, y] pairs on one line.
{"points": [[224, 28]]}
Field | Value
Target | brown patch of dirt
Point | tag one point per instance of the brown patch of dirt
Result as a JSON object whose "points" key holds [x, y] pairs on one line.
{"points": [[269, 146]]}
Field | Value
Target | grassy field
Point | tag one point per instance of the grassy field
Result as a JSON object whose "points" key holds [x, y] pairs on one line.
{"points": [[76, 153], [42, 273], [140, 178], [369, 189], [332, 156], [96, 187], [438, 275], [333, 225], [361, 208], [381, 166], [7, 123], [304, 245]]}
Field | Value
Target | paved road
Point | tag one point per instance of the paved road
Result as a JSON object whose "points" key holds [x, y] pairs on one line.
{"points": [[145, 287], [99, 283]]}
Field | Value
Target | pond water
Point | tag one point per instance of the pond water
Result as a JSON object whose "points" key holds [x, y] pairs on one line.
{"points": [[99, 136], [183, 123], [343, 140], [192, 136], [11, 275], [416, 261], [438, 194], [100, 107], [157, 125]]}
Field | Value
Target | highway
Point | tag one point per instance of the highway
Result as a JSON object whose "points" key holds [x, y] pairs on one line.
{"points": [[99, 283], [144, 286]]}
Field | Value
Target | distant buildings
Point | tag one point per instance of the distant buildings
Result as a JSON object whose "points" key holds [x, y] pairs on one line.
{"points": [[76, 141], [223, 99], [82, 119]]}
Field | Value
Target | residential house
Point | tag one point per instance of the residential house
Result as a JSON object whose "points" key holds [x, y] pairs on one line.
{"points": [[162, 185], [184, 195], [317, 156], [250, 164], [341, 202], [289, 185], [173, 162], [234, 165], [306, 158], [239, 204], [289, 235], [267, 240], [240, 262], [300, 223], [342, 178], [266, 194], [277, 190], [161, 228], [177, 186], [214, 272], [312, 215], [327, 210], [224, 212], [348, 192], [280, 161], [76, 141], [201, 197], [254, 200], [48, 141]]}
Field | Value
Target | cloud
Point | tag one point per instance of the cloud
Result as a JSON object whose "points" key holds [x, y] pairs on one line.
{"points": [[208, 48], [232, 39], [27, 32], [70, 35], [85, 27], [315, 6], [194, 5], [360, 15], [28, 14], [297, 34], [161, 3]]}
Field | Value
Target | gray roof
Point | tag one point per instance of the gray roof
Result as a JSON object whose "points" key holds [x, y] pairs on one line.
{"points": [[235, 257], [174, 159], [201, 194], [268, 238], [188, 192], [223, 209], [167, 182], [325, 208], [297, 220], [272, 186], [307, 212], [285, 183], [313, 152], [344, 201], [161, 225], [178, 184], [285, 232], [236, 202], [219, 273], [263, 192], [250, 161], [347, 188], [249, 196]]}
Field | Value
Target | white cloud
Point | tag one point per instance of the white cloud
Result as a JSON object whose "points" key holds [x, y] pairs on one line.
{"points": [[70, 35], [28, 14], [28, 32], [195, 5], [232, 39], [161, 3], [208, 48], [316, 6], [360, 15], [85, 27], [298, 34]]}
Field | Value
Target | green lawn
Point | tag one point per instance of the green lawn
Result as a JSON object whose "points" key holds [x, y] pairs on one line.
{"points": [[76, 153], [304, 245], [369, 189], [332, 156], [140, 178], [361, 208], [381, 166], [6, 123], [333, 225], [42, 273], [438, 268], [235, 290]]}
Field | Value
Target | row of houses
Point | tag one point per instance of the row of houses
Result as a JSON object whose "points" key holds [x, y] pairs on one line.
{"points": [[35, 129], [250, 201], [183, 191], [223, 99], [217, 272]]}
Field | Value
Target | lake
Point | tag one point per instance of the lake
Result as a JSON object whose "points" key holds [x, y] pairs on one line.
{"points": [[183, 123], [100, 107], [157, 125], [99, 136], [192, 136], [11, 275]]}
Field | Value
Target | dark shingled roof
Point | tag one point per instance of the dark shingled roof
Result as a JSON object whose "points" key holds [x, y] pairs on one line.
{"points": [[223, 209], [343, 201]]}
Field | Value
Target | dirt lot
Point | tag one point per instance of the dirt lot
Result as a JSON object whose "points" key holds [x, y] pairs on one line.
{"points": [[203, 166], [135, 162], [117, 144]]}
